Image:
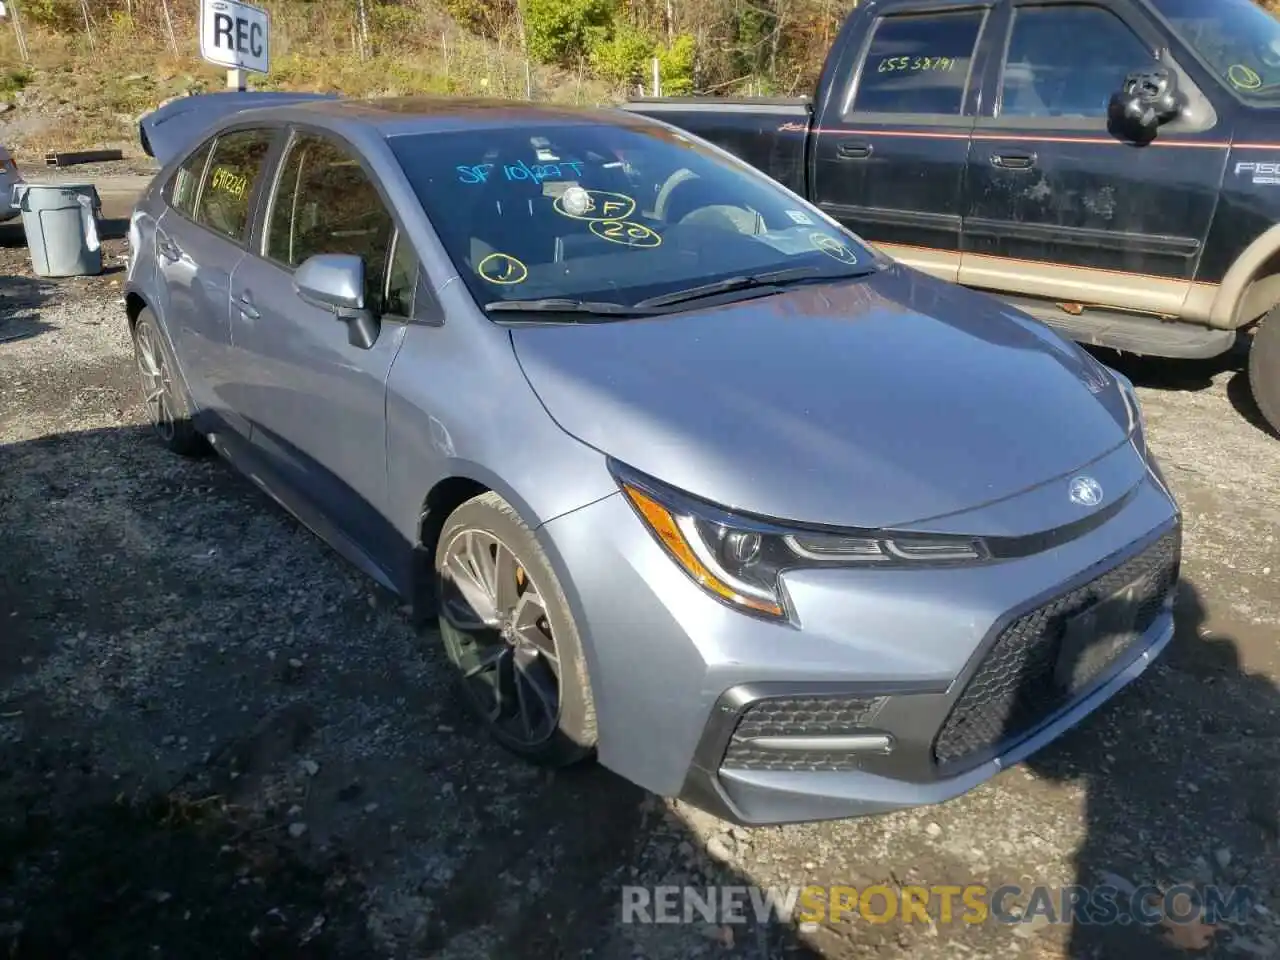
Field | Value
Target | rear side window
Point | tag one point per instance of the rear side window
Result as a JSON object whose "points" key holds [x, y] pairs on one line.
{"points": [[919, 64], [325, 203], [1044, 77], [185, 186], [228, 185]]}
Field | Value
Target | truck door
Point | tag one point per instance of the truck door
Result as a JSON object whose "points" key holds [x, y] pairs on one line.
{"points": [[1060, 209], [892, 136]]}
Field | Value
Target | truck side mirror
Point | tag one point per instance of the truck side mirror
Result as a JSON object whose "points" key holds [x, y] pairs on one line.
{"points": [[1148, 99]]}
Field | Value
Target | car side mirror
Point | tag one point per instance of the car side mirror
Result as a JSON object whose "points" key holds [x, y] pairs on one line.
{"points": [[335, 282], [1148, 99]]}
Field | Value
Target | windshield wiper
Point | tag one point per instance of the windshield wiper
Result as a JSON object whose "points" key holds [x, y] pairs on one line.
{"points": [[601, 308], [774, 278]]}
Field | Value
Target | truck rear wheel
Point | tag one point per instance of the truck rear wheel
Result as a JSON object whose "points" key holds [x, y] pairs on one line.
{"points": [[1264, 368]]}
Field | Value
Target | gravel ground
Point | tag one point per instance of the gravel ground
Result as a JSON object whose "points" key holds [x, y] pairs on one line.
{"points": [[218, 740]]}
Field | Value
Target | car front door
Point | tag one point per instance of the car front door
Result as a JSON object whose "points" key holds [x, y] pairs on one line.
{"points": [[317, 402], [1058, 207], [199, 240], [892, 140]]}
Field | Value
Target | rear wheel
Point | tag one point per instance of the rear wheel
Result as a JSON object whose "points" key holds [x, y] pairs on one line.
{"points": [[510, 636], [1264, 368], [167, 407]]}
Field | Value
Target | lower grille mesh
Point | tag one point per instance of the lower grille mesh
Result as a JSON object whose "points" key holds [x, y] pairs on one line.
{"points": [[1013, 690], [798, 717]]}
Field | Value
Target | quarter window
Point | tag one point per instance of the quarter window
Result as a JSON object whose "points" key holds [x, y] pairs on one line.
{"points": [[325, 203], [228, 186], [185, 186], [402, 279], [919, 64], [1067, 61]]}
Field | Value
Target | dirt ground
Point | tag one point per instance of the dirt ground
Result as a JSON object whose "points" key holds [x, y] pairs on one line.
{"points": [[218, 740]]}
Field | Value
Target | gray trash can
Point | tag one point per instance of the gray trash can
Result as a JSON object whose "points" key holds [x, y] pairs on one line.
{"points": [[61, 223]]}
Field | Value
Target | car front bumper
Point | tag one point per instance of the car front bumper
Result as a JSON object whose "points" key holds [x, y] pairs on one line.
{"points": [[895, 688]]}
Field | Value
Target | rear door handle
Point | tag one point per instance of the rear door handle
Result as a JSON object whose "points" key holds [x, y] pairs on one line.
{"points": [[167, 248], [1013, 161], [853, 150], [247, 309]]}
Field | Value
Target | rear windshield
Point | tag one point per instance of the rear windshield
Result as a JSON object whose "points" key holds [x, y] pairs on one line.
{"points": [[1237, 38], [608, 213]]}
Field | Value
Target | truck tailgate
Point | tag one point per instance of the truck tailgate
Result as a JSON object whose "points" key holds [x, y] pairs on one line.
{"points": [[767, 132]]}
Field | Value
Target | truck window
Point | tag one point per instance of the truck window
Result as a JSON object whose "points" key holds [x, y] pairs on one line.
{"points": [[918, 63], [1047, 77]]}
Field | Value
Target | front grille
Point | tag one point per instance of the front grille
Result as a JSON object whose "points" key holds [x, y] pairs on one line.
{"points": [[1014, 690], [799, 717]]}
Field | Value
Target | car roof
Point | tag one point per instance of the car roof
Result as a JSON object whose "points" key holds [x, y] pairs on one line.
{"points": [[396, 116]]}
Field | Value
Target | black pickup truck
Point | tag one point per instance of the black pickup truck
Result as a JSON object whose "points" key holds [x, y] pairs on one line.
{"points": [[1111, 167]]}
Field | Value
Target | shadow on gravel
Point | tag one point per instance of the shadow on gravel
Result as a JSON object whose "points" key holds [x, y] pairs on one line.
{"points": [[20, 301], [1164, 373], [1182, 780], [1158, 373], [140, 594], [1241, 396]]}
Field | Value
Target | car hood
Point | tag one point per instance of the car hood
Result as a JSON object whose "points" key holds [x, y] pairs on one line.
{"points": [[879, 402]]}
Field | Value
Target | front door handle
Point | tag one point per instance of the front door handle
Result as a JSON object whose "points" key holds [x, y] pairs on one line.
{"points": [[1013, 161], [247, 309], [853, 150]]}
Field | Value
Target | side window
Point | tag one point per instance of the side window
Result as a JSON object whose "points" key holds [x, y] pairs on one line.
{"points": [[228, 186], [185, 186], [919, 63], [325, 203], [1066, 61]]}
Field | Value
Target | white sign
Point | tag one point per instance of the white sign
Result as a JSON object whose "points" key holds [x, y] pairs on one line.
{"points": [[234, 35]]}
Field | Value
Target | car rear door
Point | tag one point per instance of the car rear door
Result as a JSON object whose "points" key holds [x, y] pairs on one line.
{"points": [[892, 137], [1058, 207], [317, 403], [200, 238]]}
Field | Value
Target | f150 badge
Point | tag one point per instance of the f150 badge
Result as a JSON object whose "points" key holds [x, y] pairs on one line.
{"points": [[1261, 173]]}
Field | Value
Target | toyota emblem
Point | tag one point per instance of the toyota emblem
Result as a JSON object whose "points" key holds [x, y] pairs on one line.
{"points": [[1085, 491]]}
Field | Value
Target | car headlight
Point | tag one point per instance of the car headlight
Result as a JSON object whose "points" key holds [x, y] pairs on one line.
{"points": [[740, 560]]}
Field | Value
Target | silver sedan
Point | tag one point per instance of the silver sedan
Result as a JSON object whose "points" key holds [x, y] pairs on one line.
{"points": [[693, 480]]}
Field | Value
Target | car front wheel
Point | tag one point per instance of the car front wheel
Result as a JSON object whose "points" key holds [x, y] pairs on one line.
{"points": [[510, 636]]}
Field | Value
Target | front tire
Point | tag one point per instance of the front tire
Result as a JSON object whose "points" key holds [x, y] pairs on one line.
{"points": [[510, 636], [166, 405], [1264, 368]]}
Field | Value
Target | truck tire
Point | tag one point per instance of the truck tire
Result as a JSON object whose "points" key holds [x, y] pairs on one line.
{"points": [[1264, 368]]}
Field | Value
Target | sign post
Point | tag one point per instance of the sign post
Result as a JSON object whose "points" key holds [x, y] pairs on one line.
{"points": [[235, 35]]}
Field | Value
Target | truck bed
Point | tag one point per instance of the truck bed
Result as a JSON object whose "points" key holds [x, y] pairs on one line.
{"points": [[767, 132]]}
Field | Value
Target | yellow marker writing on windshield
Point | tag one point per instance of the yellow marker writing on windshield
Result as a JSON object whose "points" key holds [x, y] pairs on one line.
{"points": [[629, 234], [580, 204], [502, 268], [832, 247], [1243, 77]]}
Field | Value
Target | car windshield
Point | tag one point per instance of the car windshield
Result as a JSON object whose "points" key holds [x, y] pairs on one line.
{"points": [[1237, 38], [591, 216]]}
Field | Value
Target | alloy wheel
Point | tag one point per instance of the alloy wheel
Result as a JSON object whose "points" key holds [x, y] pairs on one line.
{"points": [[499, 637], [153, 372]]}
